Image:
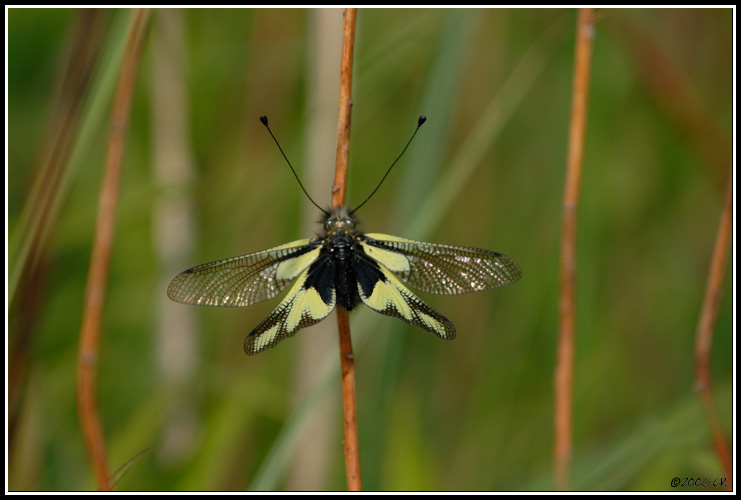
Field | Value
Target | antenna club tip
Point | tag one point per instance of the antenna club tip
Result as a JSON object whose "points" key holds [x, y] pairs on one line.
{"points": [[264, 120], [422, 119]]}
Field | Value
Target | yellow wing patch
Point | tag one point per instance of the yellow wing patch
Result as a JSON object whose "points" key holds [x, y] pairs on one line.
{"points": [[392, 298], [290, 268], [300, 308], [394, 261]]}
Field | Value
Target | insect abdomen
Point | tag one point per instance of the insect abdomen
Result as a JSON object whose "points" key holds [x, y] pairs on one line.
{"points": [[345, 282]]}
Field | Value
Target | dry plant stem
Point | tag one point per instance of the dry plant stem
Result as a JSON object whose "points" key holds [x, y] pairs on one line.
{"points": [[347, 360], [101, 253], [565, 355], [676, 95], [349, 414], [706, 326], [39, 214], [343, 119], [26, 279]]}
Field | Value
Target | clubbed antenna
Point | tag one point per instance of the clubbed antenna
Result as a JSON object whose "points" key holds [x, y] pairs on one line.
{"points": [[264, 120], [420, 121]]}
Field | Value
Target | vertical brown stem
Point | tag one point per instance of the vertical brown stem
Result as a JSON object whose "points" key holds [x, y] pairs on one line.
{"points": [[27, 247], [565, 355], [349, 413], [101, 253], [343, 120], [347, 360], [706, 326]]}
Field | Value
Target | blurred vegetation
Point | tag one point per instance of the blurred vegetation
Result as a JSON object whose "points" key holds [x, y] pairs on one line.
{"points": [[487, 170]]}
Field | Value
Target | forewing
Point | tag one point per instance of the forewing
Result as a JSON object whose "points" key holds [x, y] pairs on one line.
{"points": [[380, 290], [245, 280], [308, 301], [443, 269]]}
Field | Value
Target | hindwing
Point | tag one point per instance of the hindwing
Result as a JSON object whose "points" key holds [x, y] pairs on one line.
{"points": [[309, 301], [244, 280], [380, 290]]}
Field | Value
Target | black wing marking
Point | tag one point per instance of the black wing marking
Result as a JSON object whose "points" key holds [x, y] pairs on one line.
{"points": [[309, 301], [443, 269], [380, 290], [245, 280]]}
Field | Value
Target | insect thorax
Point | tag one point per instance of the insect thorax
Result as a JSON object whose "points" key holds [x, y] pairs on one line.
{"points": [[341, 244]]}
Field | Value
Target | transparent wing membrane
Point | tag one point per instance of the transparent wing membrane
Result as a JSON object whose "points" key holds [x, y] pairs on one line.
{"points": [[442, 269], [245, 280]]}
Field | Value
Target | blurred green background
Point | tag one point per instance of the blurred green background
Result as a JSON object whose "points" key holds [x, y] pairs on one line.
{"points": [[203, 181]]}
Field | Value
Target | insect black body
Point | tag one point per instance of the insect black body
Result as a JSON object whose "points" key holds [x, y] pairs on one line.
{"points": [[342, 249], [343, 267]]}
